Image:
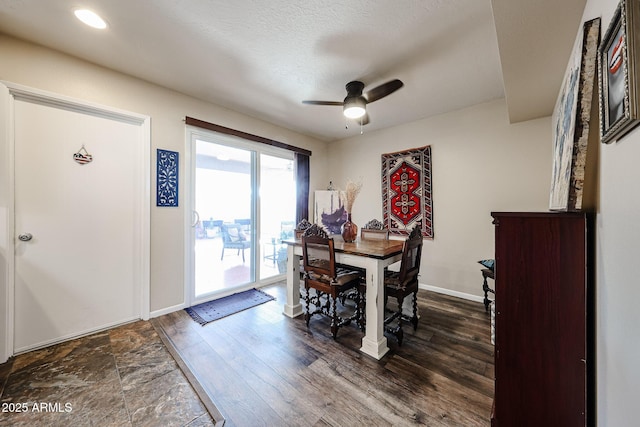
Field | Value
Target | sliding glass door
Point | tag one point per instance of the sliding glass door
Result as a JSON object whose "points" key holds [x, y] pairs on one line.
{"points": [[277, 212], [223, 210], [242, 196]]}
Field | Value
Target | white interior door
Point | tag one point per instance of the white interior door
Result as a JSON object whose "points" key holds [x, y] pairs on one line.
{"points": [[80, 266]]}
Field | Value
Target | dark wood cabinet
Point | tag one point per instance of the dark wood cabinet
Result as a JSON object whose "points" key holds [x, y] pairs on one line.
{"points": [[543, 342]]}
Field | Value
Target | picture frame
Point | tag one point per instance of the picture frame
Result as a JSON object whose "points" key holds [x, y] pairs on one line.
{"points": [[571, 120], [618, 78]]}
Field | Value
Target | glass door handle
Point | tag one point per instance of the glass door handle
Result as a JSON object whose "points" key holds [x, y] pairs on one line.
{"points": [[196, 217]]}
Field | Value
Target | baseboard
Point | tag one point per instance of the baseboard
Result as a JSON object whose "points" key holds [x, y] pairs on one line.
{"points": [[93, 330], [167, 310], [449, 292], [431, 288]]}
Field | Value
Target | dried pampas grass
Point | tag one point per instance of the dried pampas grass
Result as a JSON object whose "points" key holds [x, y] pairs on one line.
{"points": [[349, 194]]}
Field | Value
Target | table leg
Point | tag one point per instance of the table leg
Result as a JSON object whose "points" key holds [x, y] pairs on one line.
{"points": [[293, 308], [374, 342]]}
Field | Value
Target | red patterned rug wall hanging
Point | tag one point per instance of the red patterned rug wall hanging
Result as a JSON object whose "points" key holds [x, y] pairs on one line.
{"points": [[406, 191]]}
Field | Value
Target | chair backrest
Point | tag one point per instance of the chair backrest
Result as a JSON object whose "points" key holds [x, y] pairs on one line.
{"points": [[374, 224], [232, 233], [287, 229], [316, 230], [301, 227], [245, 224], [318, 255], [374, 229], [371, 234], [411, 256]]}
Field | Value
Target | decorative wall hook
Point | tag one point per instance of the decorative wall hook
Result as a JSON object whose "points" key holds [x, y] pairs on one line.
{"points": [[82, 156]]}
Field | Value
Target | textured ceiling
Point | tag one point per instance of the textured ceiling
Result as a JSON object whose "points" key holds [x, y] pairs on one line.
{"points": [[262, 58]]}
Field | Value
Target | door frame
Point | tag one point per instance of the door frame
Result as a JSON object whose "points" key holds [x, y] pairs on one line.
{"points": [[192, 133], [9, 93]]}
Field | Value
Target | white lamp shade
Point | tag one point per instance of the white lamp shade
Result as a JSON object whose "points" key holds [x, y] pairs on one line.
{"points": [[354, 108]]}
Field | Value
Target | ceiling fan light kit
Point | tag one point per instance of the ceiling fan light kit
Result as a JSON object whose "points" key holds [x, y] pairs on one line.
{"points": [[354, 105], [354, 108]]}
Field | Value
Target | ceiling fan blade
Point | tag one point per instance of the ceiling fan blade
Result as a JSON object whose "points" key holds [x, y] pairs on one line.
{"points": [[340, 103], [383, 90]]}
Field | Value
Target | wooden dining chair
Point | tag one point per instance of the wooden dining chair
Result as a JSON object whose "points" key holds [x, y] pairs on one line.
{"points": [[372, 230], [400, 284], [328, 281]]}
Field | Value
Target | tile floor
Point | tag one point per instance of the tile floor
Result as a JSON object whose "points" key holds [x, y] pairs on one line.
{"points": [[121, 377]]}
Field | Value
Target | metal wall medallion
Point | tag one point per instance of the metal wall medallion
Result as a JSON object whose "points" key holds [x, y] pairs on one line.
{"points": [[82, 156]]}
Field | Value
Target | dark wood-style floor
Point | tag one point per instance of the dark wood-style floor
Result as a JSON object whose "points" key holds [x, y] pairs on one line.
{"points": [[263, 368]]}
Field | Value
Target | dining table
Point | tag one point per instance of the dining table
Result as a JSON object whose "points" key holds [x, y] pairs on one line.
{"points": [[370, 255]]}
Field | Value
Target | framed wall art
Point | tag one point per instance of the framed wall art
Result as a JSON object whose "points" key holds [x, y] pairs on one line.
{"points": [[571, 118], [618, 78], [329, 211], [167, 178]]}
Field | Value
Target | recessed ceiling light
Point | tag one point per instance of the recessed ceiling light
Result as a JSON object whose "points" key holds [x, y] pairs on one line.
{"points": [[90, 18]]}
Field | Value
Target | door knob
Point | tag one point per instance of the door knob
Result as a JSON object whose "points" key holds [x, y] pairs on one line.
{"points": [[25, 237]]}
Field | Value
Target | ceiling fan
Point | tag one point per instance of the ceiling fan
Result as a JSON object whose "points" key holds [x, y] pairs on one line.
{"points": [[355, 103]]}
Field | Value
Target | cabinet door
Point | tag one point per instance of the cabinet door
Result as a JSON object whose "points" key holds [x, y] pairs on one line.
{"points": [[540, 319]]}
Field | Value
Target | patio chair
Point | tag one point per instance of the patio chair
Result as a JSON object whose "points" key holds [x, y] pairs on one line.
{"points": [[234, 238]]}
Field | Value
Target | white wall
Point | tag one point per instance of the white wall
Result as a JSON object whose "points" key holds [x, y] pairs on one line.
{"points": [[480, 163], [48, 70], [617, 268]]}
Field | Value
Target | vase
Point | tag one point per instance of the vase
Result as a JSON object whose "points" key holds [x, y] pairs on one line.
{"points": [[349, 230]]}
